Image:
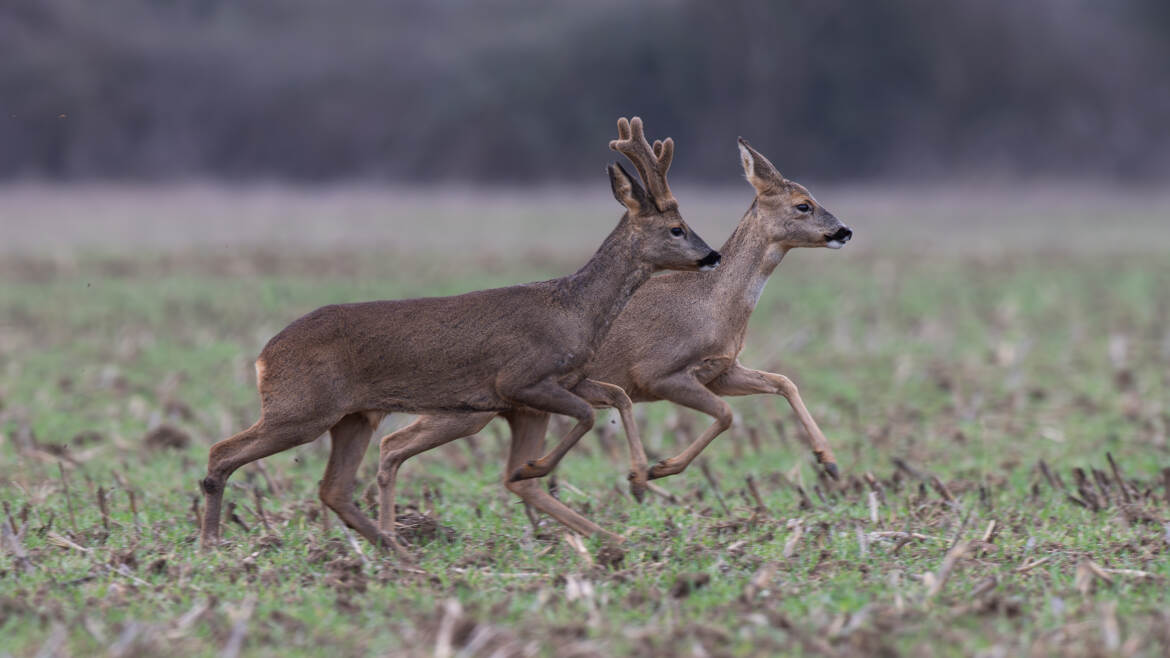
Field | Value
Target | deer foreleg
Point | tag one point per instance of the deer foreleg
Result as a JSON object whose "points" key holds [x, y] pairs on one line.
{"points": [[552, 398], [350, 437], [601, 394], [423, 434], [684, 389], [744, 381], [528, 429]]}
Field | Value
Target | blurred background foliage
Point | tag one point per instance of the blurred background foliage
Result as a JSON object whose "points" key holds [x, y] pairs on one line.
{"points": [[499, 91]]}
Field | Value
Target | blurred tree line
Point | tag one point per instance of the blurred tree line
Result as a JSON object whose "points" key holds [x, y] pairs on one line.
{"points": [[490, 90]]}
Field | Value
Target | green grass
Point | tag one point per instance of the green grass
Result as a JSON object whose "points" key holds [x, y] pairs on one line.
{"points": [[971, 368]]}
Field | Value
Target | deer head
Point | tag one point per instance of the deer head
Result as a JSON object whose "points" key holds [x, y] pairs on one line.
{"points": [[792, 216], [661, 236]]}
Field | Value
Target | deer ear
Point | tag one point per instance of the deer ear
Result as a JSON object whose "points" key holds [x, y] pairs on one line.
{"points": [[626, 189], [760, 173]]}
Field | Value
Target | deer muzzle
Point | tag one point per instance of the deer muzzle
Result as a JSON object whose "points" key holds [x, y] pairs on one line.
{"points": [[710, 261], [838, 239]]}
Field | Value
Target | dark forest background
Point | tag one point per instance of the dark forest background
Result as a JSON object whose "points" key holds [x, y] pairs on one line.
{"points": [[508, 91]]}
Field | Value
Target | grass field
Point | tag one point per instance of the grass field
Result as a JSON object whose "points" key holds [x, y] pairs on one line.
{"points": [[962, 340]]}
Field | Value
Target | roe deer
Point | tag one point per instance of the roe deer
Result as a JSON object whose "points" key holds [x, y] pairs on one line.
{"points": [[342, 368], [678, 339]]}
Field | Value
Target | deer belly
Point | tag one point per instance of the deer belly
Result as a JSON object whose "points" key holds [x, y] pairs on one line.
{"points": [[426, 395]]}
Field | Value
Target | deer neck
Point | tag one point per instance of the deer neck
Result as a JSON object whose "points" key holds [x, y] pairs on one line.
{"points": [[602, 287], [749, 258]]}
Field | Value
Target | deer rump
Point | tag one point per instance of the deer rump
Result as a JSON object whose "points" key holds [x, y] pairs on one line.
{"points": [[463, 353]]}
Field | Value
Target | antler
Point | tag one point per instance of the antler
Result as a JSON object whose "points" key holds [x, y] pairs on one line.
{"points": [[652, 162]]}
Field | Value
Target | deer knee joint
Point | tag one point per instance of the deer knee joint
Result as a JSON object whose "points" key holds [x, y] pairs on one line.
{"points": [[621, 401], [386, 473], [388, 446], [724, 418], [330, 497], [785, 386], [389, 455], [587, 421], [211, 486]]}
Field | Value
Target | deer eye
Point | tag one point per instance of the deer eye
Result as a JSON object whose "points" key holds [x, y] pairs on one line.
{"points": [[677, 232], [803, 207]]}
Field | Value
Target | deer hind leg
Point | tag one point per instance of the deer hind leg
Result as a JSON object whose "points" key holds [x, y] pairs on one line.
{"points": [[552, 398], [684, 389], [601, 394], [528, 430], [744, 381], [423, 434], [266, 437]]}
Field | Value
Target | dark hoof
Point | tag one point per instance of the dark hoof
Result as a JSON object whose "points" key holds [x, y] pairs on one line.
{"points": [[831, 469]]}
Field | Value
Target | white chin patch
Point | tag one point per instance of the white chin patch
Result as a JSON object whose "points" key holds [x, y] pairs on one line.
{"points": [[706, 268], [834, 244]]}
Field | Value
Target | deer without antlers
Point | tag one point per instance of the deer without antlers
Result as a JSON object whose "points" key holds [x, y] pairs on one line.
{"points": [[343, 368], [678, 339]]}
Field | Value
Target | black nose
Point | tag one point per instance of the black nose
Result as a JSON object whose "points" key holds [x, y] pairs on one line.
{"points": [[710, 260], [842, 235]]}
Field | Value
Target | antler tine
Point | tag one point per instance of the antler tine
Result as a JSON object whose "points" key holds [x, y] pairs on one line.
{"points": [[623, 131], [666, 156], [652, 162]]}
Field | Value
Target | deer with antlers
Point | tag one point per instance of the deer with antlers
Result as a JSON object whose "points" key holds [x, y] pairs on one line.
{"points": [[678, 339], [343, 368]]}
